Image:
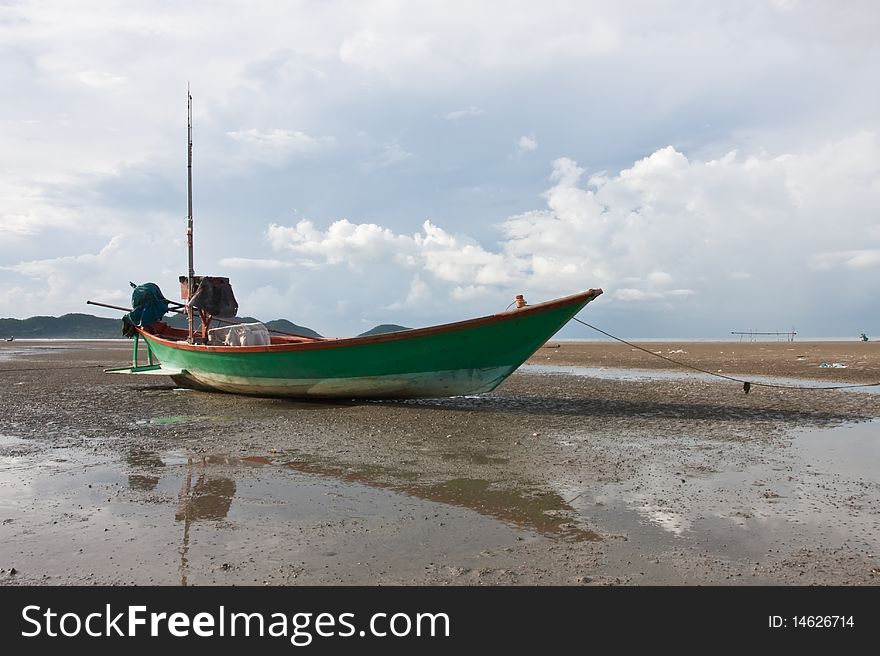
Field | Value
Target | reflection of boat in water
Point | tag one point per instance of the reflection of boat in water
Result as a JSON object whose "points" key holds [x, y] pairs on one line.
{"points": [[531, 509], [204, 496], [466, 357], [145, 466], [208, 485], [208, 497]]}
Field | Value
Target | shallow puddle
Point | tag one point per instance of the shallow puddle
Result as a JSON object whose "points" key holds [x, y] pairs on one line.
{"points": [[850, 450], [818, 488], [68, 516]]}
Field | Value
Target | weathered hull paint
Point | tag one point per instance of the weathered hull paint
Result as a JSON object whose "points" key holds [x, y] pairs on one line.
{"points": [[402, 386], [468, 357]]}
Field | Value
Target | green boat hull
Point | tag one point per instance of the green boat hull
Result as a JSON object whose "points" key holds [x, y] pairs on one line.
{"points": [[468, 357]]}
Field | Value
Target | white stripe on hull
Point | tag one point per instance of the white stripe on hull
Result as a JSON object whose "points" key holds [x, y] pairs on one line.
{"points": [[426, 385]]}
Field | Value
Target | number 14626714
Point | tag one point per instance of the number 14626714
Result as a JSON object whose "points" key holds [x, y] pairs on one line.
{"points": [[811, 621]]}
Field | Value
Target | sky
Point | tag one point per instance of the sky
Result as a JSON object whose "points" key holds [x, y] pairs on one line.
{"points": [[712, 166]]}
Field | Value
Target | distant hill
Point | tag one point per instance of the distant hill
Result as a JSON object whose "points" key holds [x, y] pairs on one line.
{"points": [[86, 326], [179, 321], [68, 326], [289, 327], [384, 328]]}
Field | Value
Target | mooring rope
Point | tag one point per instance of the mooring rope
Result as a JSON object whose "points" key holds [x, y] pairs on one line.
{"points": [[745, 383]]}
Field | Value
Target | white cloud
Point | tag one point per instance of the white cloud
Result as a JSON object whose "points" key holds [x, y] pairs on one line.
{"points": [[659, 278], [390, 154], [282, 140], [463, 113], [66, 282], [857, 259], [419, 293], [26, 209], [343, 242], [448, 258], [100, 79], [526, 144], [470, 293], [627, 294], [254, 263], [663, 232]]}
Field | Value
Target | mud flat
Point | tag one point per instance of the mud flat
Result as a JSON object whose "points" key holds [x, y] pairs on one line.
{"points": [[561, 476], [848, 362]]}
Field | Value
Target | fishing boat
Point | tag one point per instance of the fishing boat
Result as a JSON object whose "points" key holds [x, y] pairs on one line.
{"points": [[465, 357]]}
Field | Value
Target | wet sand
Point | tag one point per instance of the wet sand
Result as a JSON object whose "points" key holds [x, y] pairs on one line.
{"points": [[561, 476], [847, 362]]}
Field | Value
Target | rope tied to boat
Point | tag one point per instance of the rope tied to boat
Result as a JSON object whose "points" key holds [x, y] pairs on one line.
{"points": [[747, 385]]}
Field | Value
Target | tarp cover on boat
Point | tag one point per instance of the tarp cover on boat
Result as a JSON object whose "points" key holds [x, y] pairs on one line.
{"points": [[214, 296], [149, 306]]}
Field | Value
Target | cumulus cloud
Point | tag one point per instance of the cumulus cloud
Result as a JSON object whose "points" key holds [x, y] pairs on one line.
{"points": [[446, 257], [658, 234], [526, 144], [66, 282], [342, 242]]}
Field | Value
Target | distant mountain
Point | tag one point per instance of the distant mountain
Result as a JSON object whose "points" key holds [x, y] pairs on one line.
{"points": [[68, 326], [86, 326], [179, 321], [384, 328], [176, 320], [289, 327]]}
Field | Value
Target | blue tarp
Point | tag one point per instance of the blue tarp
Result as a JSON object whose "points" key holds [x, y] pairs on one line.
{"points": [[149, 304]]}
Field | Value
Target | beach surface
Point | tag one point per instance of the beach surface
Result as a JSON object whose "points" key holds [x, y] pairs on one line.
{"points": [[832, 362], [595, 464]]}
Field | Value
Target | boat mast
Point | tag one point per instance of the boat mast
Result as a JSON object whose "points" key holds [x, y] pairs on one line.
{"points": [[189, 219]]}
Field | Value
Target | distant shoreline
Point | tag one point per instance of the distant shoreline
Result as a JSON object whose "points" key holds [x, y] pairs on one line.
{"points": [[31, 340]]}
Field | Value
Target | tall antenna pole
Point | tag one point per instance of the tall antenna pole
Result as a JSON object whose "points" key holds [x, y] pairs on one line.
{"points": [[189, 207]]}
